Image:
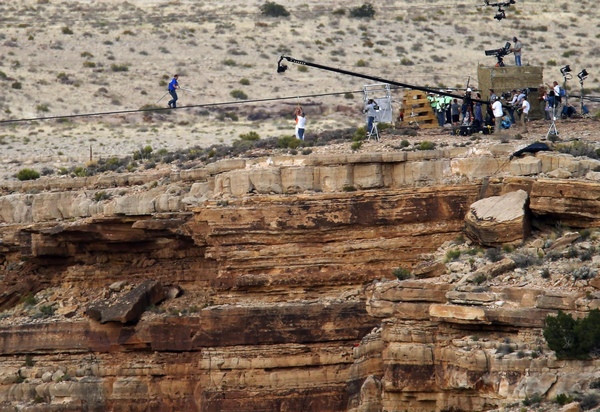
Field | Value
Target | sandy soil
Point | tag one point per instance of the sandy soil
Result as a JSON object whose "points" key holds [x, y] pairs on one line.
{"points": [[114, 57]]}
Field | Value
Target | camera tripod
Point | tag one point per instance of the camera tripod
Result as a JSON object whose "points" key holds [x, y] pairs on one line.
{"points": [[414, 116], [374, 131], [553, 131]]}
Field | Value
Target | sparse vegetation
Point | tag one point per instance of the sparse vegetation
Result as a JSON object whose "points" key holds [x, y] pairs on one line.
{"points": [[272, 9], [426, 145], [238, 94], [365, 11], [494, 254], [119, 67], [401, 273], [28, 174], [250, 136]]}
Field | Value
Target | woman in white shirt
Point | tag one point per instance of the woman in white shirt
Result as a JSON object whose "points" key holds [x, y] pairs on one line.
{"points": [[300, 123]]}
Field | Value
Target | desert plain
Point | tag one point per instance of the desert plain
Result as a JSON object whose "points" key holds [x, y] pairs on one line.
{"points": [[77, 75]]}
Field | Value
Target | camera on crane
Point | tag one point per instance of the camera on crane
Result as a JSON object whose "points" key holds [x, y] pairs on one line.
{"points": [[501, 52], [500, 15]]}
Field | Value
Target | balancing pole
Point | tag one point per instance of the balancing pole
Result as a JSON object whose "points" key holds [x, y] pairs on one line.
{"points": [[162, 97]]}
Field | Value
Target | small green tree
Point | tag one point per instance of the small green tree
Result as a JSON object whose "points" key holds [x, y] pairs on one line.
{"points": [[273, 9], [573, 338], [559, 333]]}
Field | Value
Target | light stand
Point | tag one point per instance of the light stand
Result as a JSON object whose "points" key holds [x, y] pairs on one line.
{"points": [[566, 74], [553, 131], [582, 76]]}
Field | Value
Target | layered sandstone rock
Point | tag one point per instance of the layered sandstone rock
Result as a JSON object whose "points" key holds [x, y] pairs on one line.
{"points": [[285, 298]]}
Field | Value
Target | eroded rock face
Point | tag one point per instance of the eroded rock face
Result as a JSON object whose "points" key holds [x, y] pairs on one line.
{"points": [[285, 294]]}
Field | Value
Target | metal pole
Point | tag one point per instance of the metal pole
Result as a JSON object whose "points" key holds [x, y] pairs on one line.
{"points": [[162, 97]]}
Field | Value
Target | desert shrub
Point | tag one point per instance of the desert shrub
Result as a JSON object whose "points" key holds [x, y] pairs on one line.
{"points": [[545, 273], [405, 61], [272, 9], [238, 94], [452, 254], [29, 299], [228, 115], [348, 95], [47, 310], [504, 349], [401, 273], [16, 85], [583, 273], [534, 400], [366, 10], [585, 234], [494, 254], [244, 81], [241, 146], [29, 360], [362, 63], [589, 401], [119, 67], [101, 195], [356, 145], [88, 63], [595, 384], [563, 399], [288, 141], [578, 148], [42, 108], [28, 174], [573, 338], [348, 188], [79, 171], [66, 30], [426, 145], [251, 136], [586, 255], [523, 261]]}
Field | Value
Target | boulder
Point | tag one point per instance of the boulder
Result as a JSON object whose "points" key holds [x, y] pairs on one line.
{"points": [[429, 269], [129, 307], [498, 220]]}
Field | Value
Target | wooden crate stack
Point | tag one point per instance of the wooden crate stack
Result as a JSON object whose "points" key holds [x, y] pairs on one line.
{"points": [[415, 102]]}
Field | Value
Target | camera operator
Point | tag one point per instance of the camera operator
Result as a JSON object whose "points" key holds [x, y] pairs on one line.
{"points": [[512, 105], [371, 110]]}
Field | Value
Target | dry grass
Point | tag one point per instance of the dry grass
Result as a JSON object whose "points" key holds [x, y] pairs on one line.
{"points": [[64, 58]]}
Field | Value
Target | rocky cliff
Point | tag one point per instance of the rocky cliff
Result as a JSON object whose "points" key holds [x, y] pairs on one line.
{"points": [[267, 284]]}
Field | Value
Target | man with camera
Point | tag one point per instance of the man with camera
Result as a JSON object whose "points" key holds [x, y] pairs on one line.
{"points": [[371, 110]]}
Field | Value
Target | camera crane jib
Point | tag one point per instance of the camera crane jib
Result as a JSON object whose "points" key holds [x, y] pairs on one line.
{"points": [[281, 68]]}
